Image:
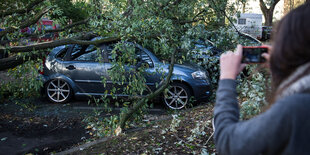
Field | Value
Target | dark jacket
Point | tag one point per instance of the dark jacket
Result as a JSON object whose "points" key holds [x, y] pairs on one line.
{"points": [[282, 129]]}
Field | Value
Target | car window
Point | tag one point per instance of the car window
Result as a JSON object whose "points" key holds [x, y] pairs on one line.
{"points": [[85, 53], [199, 46], [144, 57], [109, 49], [91, 56], [76, 49], [62, 53], [141, 55], [202, 48], [117, 54]]}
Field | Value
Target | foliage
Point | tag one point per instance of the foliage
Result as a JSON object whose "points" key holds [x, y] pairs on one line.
{"points": [[252, 92], [165, 27], [253, 86], [162, 31], [23, 82], [75, 11]]}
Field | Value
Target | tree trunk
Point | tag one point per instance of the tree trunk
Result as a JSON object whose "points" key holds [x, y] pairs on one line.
{"points": [[268, 12], [269, 17], [14, 61]]}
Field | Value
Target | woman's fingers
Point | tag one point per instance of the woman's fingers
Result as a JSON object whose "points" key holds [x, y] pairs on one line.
{"points": [[266, 56], [230, 64]]}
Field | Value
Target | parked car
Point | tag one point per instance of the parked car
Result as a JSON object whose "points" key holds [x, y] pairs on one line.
{"points": [[203, 49], [266, 33], [42, 25], [74, 70]]}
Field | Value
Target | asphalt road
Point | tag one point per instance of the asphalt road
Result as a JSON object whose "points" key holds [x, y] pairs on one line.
{"points": [[41, 127]]}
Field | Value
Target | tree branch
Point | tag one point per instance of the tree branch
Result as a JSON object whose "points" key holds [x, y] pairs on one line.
{"points": [[263, 6], [27, 9], [35, 35], [25, 24], [224, 13], [189, 21], [56, 43], [11, 62], [201, 12], [150, 96]]}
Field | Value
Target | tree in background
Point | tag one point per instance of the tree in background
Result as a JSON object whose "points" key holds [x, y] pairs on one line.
{"points": [[267, 8]]}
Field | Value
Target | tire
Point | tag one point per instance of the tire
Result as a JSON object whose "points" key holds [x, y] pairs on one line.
{"points": [[58, 91], [177, 97]]}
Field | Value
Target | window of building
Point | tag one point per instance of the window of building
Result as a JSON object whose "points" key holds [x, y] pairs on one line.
{"points": [[241, 21]]}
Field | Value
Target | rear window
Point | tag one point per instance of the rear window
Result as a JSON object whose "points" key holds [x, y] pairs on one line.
{"points": [[61, 54]]}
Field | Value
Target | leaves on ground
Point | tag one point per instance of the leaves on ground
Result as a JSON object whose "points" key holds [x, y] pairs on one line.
{"points": [[158, 138]]}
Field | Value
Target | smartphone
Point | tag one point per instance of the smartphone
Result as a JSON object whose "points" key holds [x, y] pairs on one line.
{"points": [[253, 54]]}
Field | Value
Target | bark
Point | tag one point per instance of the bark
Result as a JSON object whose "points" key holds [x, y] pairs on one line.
{"points": [[51, 44], [27, 9], [268, 12], [11, 62], [150, 96], [82, 22], [25, 24]]}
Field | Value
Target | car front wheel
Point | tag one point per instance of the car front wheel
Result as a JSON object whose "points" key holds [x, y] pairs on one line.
{"points": [[58, 91], [177, 96]]}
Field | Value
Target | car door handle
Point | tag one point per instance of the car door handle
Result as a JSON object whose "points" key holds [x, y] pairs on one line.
{"points": [[70, 67]]}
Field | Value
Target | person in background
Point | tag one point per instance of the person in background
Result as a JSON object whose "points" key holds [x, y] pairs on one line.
{"points": [[285, 127]]}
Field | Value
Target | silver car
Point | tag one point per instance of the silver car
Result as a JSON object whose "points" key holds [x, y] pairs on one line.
{"points": [[74, 70]]}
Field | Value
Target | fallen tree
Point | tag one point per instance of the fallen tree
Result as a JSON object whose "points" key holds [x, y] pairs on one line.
{"points": [[162, 26]]}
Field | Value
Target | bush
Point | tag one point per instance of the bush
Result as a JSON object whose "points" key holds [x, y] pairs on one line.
{"points": [[23, 83]]}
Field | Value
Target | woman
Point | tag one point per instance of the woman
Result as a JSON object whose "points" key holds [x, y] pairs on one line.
{"points": [[285, 127]]}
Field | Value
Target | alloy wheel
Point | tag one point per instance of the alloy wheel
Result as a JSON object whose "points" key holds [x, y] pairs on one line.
{"points": [[176, 97], [58, 91]]}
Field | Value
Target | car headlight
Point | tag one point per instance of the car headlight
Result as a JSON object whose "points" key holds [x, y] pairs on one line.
{"points": [[199, 75]]}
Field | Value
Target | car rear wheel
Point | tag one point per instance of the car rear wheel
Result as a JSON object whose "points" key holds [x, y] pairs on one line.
{"points": [[177, 96], [58, 91]]}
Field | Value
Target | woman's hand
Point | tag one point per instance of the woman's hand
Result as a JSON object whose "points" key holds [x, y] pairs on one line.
{"points": [[230, 64], [267, 56]]}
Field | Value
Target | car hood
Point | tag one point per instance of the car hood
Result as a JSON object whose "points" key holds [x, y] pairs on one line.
{"points": [[188, 66], [185, 67]]}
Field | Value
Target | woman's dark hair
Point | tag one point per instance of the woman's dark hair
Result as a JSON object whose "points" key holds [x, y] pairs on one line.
{"points": [[291, 47]]}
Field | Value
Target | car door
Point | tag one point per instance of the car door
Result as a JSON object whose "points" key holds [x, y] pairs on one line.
{"points": [[112, 86], [153, 74], [85, 68]]}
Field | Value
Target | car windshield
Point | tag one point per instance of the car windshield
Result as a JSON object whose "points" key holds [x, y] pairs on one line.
{"points": [[202, 48]]}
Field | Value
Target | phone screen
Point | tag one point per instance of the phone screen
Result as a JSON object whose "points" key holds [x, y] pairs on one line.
{"points": [[253, 54]]}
